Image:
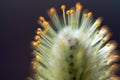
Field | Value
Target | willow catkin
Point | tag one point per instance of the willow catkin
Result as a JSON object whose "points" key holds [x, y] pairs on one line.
{"points": [[75, 47]]}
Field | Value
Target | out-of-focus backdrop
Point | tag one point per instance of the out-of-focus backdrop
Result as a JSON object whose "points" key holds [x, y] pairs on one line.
{"points": [[18, 25]]}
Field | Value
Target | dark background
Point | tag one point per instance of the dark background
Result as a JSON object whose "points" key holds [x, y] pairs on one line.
{"points": [[18, 24]]}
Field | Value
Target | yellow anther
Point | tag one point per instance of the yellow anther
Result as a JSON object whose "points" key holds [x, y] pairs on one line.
{"points": [[90, 14], [41, 18], [68, 12], [34, 65], [52, 10], [38, 42], [78, 6], [98, 23], [39, 31], [63, 7], [97, 32], [108, 44], [105, 28], [37, 38], [38, 58], [45, 24], [35, 44], [109, 62], [111, 43], [109, 53], [33, 62], [85, 14], [34, 53], [108, 35], [72, 11]]}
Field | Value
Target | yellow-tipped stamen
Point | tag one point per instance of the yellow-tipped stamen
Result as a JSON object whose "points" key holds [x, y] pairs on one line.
{"points": [[69, 17], [78, 7], [55, 18], [63, 7], [46, 27], [72, 18], [94, 26], [98, 22], [84, 21]]}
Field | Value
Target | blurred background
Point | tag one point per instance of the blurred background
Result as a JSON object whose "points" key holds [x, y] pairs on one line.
{"points": [[18, 24]]}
